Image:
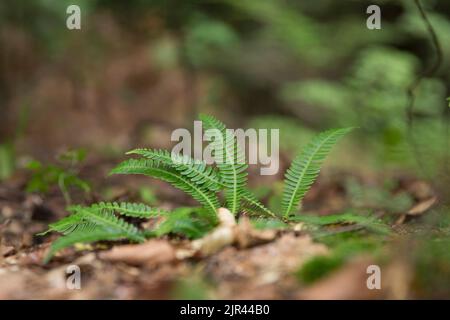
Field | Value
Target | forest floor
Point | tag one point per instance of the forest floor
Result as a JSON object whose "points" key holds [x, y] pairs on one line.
{"points": [[158, 269]]}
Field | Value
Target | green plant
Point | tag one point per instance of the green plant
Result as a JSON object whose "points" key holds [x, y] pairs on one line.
{"points": [[64, 174], [202, 182], [320, 266]]}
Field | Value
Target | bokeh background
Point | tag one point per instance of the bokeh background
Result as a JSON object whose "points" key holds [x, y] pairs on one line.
{"points": [[138, 69]]}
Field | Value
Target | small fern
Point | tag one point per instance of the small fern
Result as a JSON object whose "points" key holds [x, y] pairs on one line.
{"points": [[306, 167], [101, 221]]}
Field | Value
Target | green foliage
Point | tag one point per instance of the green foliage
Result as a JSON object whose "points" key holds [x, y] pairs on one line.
{"points": [[99, 222], [206, 40], [7, 160], [195, 170], [320, 266], [147, 195], [369, 222], [264, 223], [64, 174], [192, 288], [166, 173], [306, 167], [200, 181], [189, 222], [231, 162], [375, 100], [377, 198], [432, 253], [136, 210]]}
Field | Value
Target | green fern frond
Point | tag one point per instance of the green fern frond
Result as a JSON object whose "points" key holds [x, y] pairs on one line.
{"points": [[107, 219], [168, 174], [65, 225], [306, 167], [197, 171], [231, 162], [190, 222], [201, 174], [97, 234], [135, 210]]}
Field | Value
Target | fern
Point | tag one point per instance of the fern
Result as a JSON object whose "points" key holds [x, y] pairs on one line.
{"points": [[306, 167], [109, 221], [252, 204], [189, 222], [231, 166], [100, 221], [197, 171], [135, 210], [66, 225], [166, 173], [95, 223]]}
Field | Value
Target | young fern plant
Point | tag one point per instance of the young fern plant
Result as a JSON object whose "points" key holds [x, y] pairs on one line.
{"points": [[102, 221]]}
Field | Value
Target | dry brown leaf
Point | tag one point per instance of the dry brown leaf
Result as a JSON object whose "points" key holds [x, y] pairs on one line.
{"points": [[262, 272], [150, 253], [422, 207], [246, 235]]}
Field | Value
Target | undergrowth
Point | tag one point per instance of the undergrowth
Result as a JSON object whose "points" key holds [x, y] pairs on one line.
{"points": [[105, 220]]}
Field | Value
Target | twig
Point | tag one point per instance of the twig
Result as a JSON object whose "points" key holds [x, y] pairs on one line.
{"points": [[426, 73]]}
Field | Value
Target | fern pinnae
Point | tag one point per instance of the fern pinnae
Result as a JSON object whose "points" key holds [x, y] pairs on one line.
{"points": [[231, 164], [136, 210], [195, 170], [251, 203], [306, 167], [168, 174], [108, 220]]}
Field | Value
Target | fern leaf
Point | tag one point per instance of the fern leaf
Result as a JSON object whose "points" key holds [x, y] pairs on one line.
{"points": [[201, 174], [65, 225], [108, 220], [168, 174], [190, 222], [306, 167], [136, 210], [231, 164], [197, 171], [97, 234], [251, 203]]}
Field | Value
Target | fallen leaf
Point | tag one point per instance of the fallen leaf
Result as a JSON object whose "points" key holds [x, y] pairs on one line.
{"points": [[422, 207], [150, 253], [246, 235]]}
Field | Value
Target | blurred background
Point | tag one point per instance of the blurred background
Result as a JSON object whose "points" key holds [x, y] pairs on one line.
{"points": [[139, 69]]}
